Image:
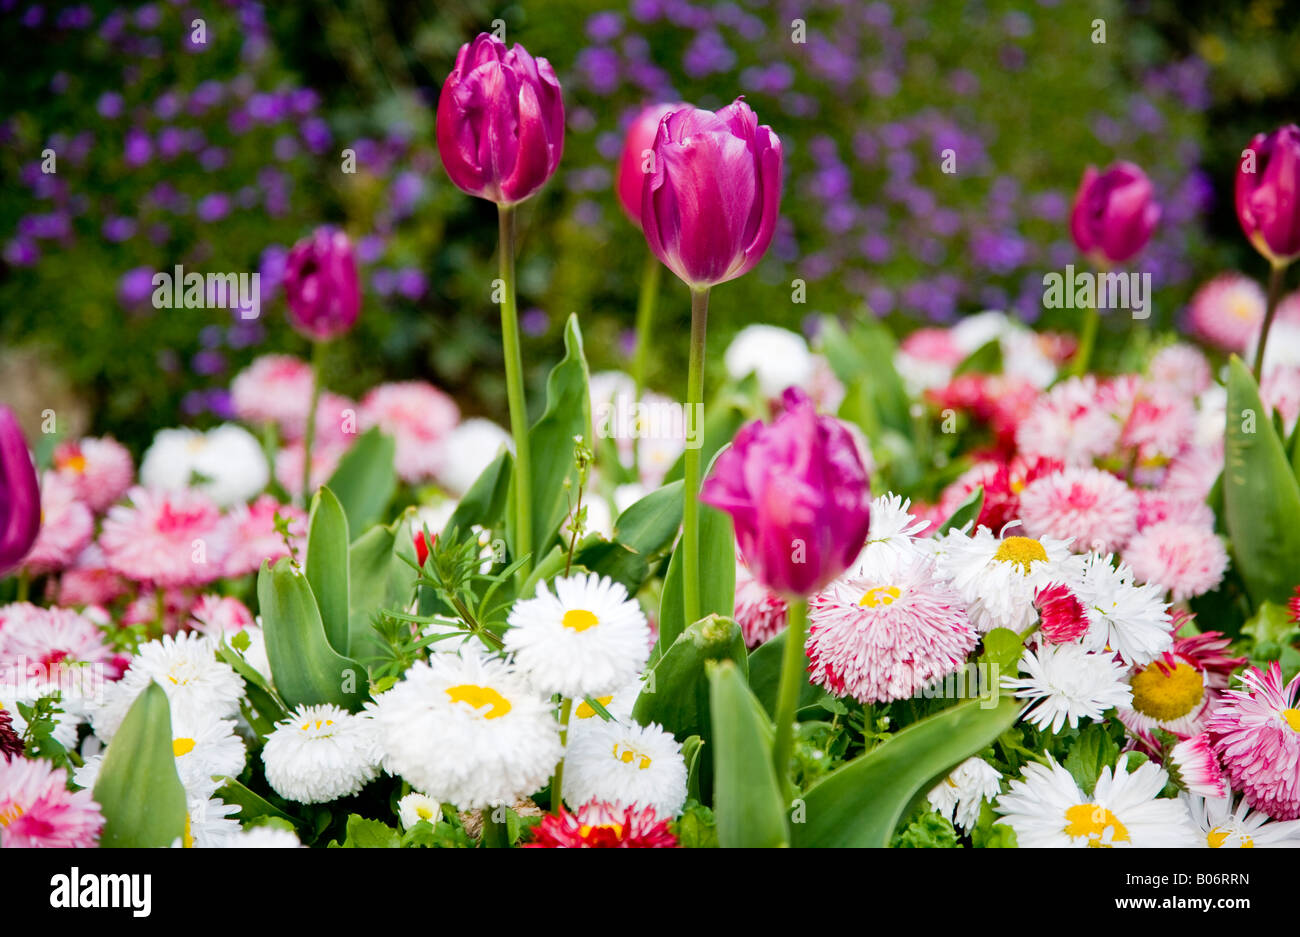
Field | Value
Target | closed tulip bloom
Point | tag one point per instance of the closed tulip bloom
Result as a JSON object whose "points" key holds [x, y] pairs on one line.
{"points": [[500, 121], [20, 496], [1268, 199], [321, 285], [637, 158], [710, 207], [798, 494], [1114, 213]]}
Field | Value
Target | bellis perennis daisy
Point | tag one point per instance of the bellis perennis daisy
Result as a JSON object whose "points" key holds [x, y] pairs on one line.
{"points": [[626, 765], [1067, 684], [320, 753]]}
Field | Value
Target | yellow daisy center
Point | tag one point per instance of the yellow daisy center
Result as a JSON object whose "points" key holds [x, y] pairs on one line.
{"points": [[1020, 551], [317, 724], [479, 696], [579, 619], [586, 829], [187, 838], [878, 596], [1166, 693], [1244, 311], [182, 747], [75, 463], [10, 815], [1292, 717], [423, 812], [627, 755], [1217, 836], [1092, 821], [585, 709]]}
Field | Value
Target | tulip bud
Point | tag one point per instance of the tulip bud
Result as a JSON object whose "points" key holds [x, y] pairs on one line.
{"points": [[709, 208], [1114, 213], [638, 156], [20, 496], [500, 121], [1268, 194], [798, 495], [321, 285]]}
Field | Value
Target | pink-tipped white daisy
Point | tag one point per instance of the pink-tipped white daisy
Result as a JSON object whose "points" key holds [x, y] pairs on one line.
{"points": [[1256, 733], [1177, 690], [1061, 616], [1156, 422], [1182, 367], [100, 470], [626, 765], [1131, 620], [1186, 559], [760, 612], [275, 390], [889, 628], [1225, 826], [254, 538], [89, 581], [58, 648], [1227, 311], [1197, 767], [1047, 809], [1066, 684], [67, 527], [38, 810], [961, 795], [1094, 507], [419, 417], [325, 456], [167, 538], [1069, 423]]}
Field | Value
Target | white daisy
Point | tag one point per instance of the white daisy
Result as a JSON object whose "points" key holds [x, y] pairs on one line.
{"points": [[626, 765], [1224, 827], [583, 717], [894, 529], [961, 795], [415, 807], [320, 753], [1047, 809], [998, 578], [66, 721], [187, 668], [208, 825], [226, 462], [778, 358], [1131, 620], [468, 731], [265, 837], [587, 639], [204, 747], [1068, 684]]}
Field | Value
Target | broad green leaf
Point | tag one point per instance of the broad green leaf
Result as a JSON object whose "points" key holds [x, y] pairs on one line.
{"points": [[1003, 647], [967, 513], [717, 558], [765, 676], [380, 579], [1089, 753], [615, 560], [865, 356], [251, 805], [138, 788], [747, 799], [364, 481], [691, 749], [327, 565], [267, 709], [305, 668], [1261, 496], [485, 502], [370, 834], [649, 525], [860, 803], [676, 693]]}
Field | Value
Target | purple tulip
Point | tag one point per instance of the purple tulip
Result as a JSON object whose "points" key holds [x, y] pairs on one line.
{"points": [[20, 496], [798, 495], [1114, 213], [321, 285], [1268, 199], [709, 206], [500, 121]]}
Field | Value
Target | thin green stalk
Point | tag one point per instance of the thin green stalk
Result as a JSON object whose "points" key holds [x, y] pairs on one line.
{"points": [[309, 437], [24, 584], [523, 504], [1274, 294], [690, 504], [645, 313], [792, 671], [557, 782], [1091, 322]]}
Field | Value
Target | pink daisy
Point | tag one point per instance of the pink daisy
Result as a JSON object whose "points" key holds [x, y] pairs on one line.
{"points": [[760, 612], [933, 345], [417, 415], [217, 614], [1003, 483], [1178, 690], [38, 810], [1187, 559], [1198, 768], [1155, 420], [144, 610], [254, 537], [1062, 618], [67, 525], [1155, 505], [1256, 734], [99, 469], [1096, 509], [1192, 473], [274, 389], [89, 581], [167, 538], [1069, 423], [887, 631], [288, 465], [51, 637], [1280, 392], [1227, 311], [1182, 367]]}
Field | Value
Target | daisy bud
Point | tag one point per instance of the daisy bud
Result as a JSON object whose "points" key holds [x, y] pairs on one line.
{"points": [[637, 158], [1061, 615], [1114, 213], [500, 121], [20, 496], [1197, 767], [321, 285], [1268, 194]]}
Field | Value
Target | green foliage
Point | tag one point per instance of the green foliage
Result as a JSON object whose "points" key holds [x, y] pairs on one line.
{"points": [[928, 830], [327, 565], [138, 788], [747, 799], [364, 481]]}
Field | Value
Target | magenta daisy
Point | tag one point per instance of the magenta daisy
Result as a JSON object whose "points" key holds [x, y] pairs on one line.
{"points": [[1280, 391], [760, 612], [1062, 617], [100, 470], [1187, 559], [67, 525], [1155, 505], [168, 538], [276, 390], [37, 809], [887, 630], [254, 538], [1094, 507], [418, 416], [1197, 767], [1256, 734], [1227, 311], [1179, 689]]}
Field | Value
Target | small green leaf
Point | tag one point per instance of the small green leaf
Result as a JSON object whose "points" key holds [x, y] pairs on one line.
{"points": [[1089, 753], [747, 799], [370, 834], [364, 481], [485, 502], [966, 513], [649, 525], [327, 565], [251, 805], [138, 788], [1003, 647], [987, 359]]}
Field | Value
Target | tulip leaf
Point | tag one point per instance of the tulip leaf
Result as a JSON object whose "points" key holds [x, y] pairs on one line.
{"points": [[967, 513], [485, 502], [676, 693], [266, 709], [649, 525], [305, 668], [1261, 496], [327, 565], [612, 559], [252, 806], [717, 557], [860, 803], [380, 579], [747, 801], [364, 481], [138, 789], [765, 676]]}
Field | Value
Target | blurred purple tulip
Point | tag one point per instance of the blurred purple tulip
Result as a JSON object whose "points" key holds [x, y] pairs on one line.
{"points": [[1268, 199], [321, 285], [709, 206], [1114, 213], [500, 121], [20, 496], [798, 494]]}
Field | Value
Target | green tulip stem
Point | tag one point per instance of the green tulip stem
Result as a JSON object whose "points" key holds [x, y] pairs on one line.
{"points": [[691, 492], [523, 491], [309, 432], [792, 671], [1274, 294]]}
